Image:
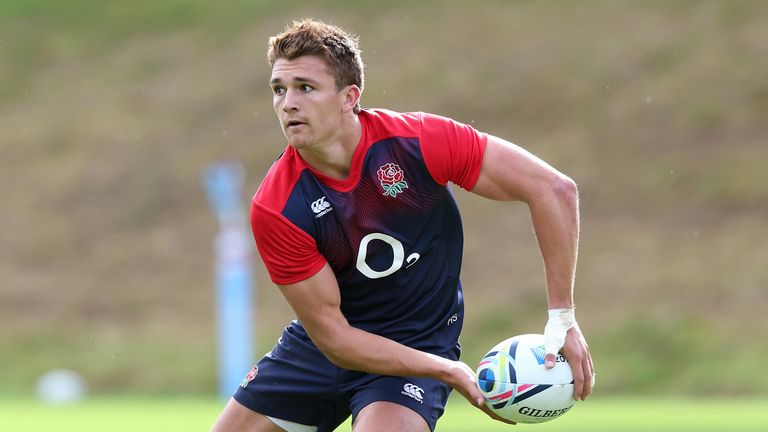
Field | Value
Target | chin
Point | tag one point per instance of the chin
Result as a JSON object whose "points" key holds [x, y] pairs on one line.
{"points": [[299, 143], [301, 140]]}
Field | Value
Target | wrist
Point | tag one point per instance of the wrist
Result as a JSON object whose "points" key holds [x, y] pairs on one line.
{"points": [[441, 368], [564, 317], [563, 303]]}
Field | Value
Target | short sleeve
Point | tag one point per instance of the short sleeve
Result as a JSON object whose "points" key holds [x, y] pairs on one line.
{"points": [[289, 254], [452, 151]]}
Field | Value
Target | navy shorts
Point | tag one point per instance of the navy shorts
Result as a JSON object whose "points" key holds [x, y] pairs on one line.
{"points": [[296, 382]]}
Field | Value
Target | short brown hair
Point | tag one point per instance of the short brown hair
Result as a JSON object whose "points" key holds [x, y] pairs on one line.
{"points": [[335, 46]]}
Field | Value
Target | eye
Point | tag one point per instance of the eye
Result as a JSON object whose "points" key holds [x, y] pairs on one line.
{"points": [[306, 88], [278, 91]]}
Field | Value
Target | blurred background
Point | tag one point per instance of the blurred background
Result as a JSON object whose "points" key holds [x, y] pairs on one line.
{"points": [[111, 111]]}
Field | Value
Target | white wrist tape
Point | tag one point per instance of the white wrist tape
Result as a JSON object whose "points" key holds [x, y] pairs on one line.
{"points": [[560, 321]]}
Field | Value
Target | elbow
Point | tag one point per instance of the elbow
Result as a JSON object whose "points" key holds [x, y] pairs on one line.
{"points": [[557, 188], [333, 354], [334, 349], [565, 189], [340, 358]]}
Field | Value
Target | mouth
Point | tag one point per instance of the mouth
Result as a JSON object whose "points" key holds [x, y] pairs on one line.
{"points": [[293, 124]]}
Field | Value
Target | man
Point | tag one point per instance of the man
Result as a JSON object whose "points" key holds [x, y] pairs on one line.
{"points": [[358, 229]]}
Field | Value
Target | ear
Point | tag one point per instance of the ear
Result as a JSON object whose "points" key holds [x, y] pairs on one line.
{"points": [[351, 94]]}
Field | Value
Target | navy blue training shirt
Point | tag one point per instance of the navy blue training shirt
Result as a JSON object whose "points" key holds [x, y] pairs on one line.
{"points": [[391, 230]]}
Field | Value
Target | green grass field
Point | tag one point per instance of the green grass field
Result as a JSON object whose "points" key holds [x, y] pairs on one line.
{"points": [[599, 414]]}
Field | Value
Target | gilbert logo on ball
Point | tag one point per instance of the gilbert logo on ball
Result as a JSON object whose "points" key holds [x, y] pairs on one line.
{"points": [[518, 387]]}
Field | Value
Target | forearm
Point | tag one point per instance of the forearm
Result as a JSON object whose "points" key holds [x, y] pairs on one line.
{"points": [[316, 302], [555, 217], [355, 349], [510, 173]]}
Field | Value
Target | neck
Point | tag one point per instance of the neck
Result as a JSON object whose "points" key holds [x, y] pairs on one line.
{"points": [[334, 158]]}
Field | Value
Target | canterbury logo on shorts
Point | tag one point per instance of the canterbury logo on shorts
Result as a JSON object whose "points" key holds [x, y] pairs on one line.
{"points": [[413, 391]]}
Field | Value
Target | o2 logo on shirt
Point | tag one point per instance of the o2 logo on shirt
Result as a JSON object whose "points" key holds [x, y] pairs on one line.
{"points": [[398, 256]]}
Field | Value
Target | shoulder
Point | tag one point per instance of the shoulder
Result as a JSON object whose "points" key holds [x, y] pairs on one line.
{"points": [[279, 182], [382, 123]]}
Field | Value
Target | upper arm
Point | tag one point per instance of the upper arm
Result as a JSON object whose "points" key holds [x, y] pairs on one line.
{"points": [[316, 302], [452, 151], [511, 173], [289, 253]]}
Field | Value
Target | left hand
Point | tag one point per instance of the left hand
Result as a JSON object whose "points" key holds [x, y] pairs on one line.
{"points": [[462, 378], [576, 351]]}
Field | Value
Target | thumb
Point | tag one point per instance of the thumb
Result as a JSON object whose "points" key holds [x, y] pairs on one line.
{"points": [[549, 361], [553, 342], [555, 332]]}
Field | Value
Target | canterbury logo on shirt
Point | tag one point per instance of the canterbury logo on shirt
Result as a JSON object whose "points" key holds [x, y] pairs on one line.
{"points": [[413, 391], [321, 207]]}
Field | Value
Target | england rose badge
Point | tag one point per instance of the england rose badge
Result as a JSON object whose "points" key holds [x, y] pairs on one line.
{"points": [[392, 179]]}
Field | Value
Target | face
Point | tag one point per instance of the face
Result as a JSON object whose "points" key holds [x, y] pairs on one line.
{"points": [[306, 102]]}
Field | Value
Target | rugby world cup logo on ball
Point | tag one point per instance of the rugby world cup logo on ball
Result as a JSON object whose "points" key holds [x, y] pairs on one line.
{"points": [[518, 387]]}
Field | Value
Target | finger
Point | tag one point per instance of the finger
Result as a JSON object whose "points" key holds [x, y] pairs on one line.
{"points": [[494, 416], [549, 361], [587, 378], [478, 398], [589, 371], [578, 379], [473, 395], [552, 349]]}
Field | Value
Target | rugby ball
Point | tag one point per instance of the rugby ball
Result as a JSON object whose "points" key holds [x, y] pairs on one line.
{"points": [[518, 387]]}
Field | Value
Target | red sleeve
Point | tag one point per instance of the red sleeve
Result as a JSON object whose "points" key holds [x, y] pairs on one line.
{"points": [[289, 253], [452, 151]]}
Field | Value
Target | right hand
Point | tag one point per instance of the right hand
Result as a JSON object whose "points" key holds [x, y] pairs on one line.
{"points": [[462, 378]]}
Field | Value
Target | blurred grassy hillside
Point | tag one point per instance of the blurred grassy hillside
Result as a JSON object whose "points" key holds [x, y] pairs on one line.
{"points": [[110, 111]]}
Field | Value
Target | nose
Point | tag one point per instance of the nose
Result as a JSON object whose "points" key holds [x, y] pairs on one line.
{"points": [[290, 101]]}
